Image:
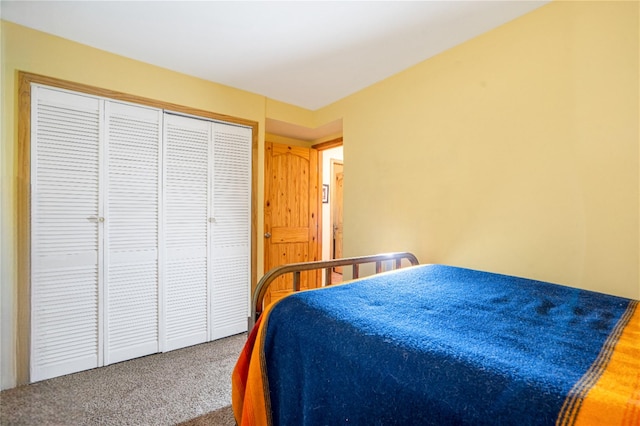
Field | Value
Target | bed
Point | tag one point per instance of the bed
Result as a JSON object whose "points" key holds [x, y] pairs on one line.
{"points": [[437, 344]]}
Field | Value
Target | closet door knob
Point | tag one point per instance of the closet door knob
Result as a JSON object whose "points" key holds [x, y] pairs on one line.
{"points": [[267, 234]]}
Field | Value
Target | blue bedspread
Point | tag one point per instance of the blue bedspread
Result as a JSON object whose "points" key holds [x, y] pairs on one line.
{"points": [[432, 345]]}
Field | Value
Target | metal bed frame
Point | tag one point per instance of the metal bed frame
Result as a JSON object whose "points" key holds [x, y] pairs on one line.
{"points": [[295, 268]]}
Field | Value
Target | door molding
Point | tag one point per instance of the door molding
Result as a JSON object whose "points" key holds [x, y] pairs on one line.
{"points": [[323, 146], [333, 143], [332, 199]]}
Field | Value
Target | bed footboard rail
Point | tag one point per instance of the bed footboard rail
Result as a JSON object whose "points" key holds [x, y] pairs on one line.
{"points": [[295, 268]]}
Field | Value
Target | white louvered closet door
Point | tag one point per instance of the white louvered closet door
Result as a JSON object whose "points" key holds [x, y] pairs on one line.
{"points": [[132, 210], [65, 234], [231, 230], [187, 143], [140, 231]]}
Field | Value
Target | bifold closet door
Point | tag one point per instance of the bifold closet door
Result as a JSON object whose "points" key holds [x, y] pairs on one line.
{"points": [[230, 229], [66, 237], [207, 199], [187, 146], [140, 231], [132, 210], [94, 233]]}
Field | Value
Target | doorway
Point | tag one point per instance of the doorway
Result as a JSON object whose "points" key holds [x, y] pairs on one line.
{"points": [[331, 154], [298, 224], [335, 200]]}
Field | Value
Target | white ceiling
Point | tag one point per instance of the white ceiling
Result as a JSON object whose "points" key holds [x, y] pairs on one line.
{"points": [[305, 53]]}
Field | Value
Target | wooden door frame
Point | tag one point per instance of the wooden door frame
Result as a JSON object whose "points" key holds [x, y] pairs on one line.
{"points": [[323, 146], [332, 199], [23, 196]]}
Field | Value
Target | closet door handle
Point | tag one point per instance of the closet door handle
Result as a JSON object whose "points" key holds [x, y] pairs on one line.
{"points": [[95, 219]]}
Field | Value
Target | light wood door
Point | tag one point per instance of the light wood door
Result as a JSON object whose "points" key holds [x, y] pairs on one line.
{"points": [[336, 211], [290, 213]]}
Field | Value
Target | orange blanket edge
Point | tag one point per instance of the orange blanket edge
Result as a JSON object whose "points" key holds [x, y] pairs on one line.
{"points": [[249, 388], [609, 393]]}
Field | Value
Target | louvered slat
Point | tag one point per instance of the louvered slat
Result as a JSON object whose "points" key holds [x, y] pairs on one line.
{"points": [[186, 293], [186, 197], [64, 275], [231, 230], [131, 231]]}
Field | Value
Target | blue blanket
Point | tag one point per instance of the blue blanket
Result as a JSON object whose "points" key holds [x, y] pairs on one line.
{"points": [[432, 345]]}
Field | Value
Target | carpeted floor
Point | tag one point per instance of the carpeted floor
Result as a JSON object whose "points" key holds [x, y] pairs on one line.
{"points": [[190, 385], [223, 416]]}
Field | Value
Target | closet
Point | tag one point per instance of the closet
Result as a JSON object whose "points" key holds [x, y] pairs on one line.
{"points": [[140, 230]]}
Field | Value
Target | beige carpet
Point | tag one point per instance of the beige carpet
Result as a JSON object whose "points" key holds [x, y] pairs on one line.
{"points": [[223, 416], [191, 384]]}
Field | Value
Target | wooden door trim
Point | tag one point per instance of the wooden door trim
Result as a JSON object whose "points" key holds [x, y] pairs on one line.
{"points": [[323, 146], [23, 174], [333, 143], [332, 199]]}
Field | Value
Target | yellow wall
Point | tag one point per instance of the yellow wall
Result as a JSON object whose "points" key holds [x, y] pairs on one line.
{"points": [[270, 137], [516, 152], [290, 113], [36, 52]]}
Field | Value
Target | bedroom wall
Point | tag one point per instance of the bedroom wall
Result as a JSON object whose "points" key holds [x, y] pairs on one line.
{"points": [[270, 137], [515, 152], [36, 52], [290, 113]]}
